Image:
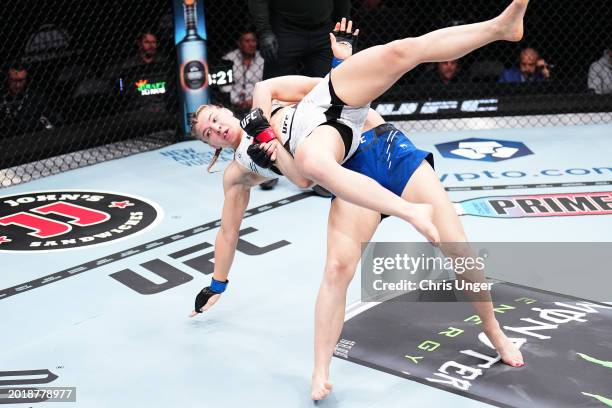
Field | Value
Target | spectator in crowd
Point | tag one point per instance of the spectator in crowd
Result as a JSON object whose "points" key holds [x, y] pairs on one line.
{"points": [[146, 78], [444, 73], [294, 39], [600, 73], [532, 68], [22, 109], [248, 66]]}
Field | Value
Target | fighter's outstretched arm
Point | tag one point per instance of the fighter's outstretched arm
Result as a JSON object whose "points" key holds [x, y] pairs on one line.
{"points": [[237, 183]]}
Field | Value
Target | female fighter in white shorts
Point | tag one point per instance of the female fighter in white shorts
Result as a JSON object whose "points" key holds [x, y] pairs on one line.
{"points": [[328, 120], [325, 142]]}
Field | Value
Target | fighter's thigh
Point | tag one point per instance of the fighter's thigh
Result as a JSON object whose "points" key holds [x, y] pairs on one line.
{"points": [[347, 227], [424, 187], [323, 144]]}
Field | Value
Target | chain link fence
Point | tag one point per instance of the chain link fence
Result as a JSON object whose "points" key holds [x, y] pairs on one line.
{"points": [[76, 75], [552, 87]]}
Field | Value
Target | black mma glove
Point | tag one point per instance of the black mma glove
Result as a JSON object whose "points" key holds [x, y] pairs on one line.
{"points": [[260, 156], [216, 288], [257, 126], [349, 38], [268, 46]]}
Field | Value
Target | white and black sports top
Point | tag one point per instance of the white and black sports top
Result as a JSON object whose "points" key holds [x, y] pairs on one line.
{"points": [[320, 107], [323, 107]]}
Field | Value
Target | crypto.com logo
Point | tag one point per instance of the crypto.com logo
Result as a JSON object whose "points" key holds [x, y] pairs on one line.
{"points": [[488, 150]]}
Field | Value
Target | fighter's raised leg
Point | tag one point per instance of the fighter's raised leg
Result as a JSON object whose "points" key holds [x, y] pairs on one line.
{"points": [[425, 187], [369, 73]]}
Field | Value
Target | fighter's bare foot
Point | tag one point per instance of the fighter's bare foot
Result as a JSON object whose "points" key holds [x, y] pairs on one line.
{"points": [[511, 20], [421, 218], [508, 352], [320, 388]]}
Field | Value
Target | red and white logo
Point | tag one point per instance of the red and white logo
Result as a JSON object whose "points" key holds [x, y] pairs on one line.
{"points": [[70, 219]]}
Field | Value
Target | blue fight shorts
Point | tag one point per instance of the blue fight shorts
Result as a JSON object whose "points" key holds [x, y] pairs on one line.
{"points": [[386, 155]]}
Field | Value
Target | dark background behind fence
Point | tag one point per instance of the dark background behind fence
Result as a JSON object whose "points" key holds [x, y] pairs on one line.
{"points": [[569, 36], [76, 52]]}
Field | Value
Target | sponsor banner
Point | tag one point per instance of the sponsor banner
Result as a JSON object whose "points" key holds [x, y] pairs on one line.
{"points": [[514, 174], [146, 88], [190, 41], [190, 157], [530, 186], [454, 107], [538, 205], [566, 343], [488, 150], [54, 220], [433, 109]]}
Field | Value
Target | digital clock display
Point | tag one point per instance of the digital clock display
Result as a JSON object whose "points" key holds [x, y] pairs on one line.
{"points": [[221, 74]]}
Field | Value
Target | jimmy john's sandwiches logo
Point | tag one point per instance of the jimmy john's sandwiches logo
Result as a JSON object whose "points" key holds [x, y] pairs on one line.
{"points": [[53, 220]]}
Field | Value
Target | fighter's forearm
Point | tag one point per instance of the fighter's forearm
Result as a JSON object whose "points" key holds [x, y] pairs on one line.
{"points": [[237, 185], [225, 249], [262, 98]]}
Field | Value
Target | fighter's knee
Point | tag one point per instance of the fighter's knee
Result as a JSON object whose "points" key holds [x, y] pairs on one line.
{"points": [[311, 166], [398, 51], [339, 273], [305, 164]]}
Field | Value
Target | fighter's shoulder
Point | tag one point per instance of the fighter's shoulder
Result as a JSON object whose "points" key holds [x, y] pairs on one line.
{"points": [[234, 174], [237, 174]]}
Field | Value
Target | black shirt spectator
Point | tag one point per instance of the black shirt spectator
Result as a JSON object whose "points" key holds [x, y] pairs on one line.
{"points": [[292, 33], [444, 73], [22, 109], [145, 79], [294, 38]]}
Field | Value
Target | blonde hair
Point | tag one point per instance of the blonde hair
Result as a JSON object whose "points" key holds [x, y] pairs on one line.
{"points": [[193, 133]]}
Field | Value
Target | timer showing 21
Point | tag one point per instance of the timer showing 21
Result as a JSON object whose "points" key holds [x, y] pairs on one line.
{"points": [[221, 74]]}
